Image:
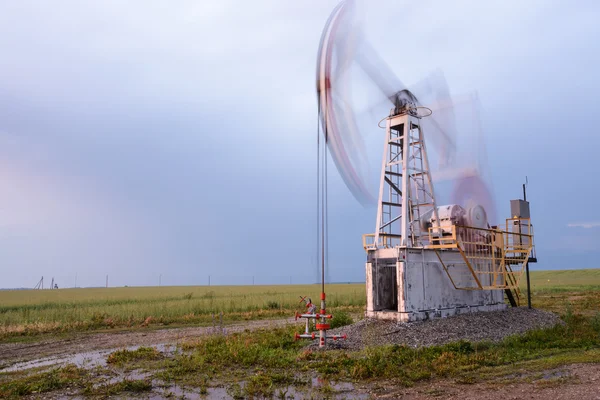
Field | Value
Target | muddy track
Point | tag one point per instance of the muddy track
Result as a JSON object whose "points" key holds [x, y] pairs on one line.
{"points": [[11, 353], [572, 382]]}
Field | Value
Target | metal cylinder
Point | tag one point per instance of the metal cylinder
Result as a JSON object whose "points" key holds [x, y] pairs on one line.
{"points": [[322, 333]]}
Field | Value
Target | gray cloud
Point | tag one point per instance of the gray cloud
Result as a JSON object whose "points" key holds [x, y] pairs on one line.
{"points": [[585, 225], [147, 138]]}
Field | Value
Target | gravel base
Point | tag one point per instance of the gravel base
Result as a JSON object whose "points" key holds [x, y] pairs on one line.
{"points": [[476, 327]]}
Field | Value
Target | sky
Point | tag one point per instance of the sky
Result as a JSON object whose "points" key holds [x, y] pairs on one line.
{"points": [[153, 140]]}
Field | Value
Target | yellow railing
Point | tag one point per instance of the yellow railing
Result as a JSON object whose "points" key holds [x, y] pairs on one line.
{"points": [[369, 241], [494, 259], [386, 241]]}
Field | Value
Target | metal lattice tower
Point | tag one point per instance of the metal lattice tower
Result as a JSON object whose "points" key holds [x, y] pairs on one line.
{"points": [[406, 195]]}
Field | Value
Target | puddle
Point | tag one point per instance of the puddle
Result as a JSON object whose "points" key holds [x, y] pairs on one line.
{"points": [[188, 393], [315, 387], [338, 390], [87, 360], [341, 390], [556, 374], [318, 382]]}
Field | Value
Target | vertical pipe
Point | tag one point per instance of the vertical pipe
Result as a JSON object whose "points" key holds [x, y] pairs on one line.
{"points": [[406, 147], [527, 262], [319, 116], [322, 204], [528, 285], [324, 211]]}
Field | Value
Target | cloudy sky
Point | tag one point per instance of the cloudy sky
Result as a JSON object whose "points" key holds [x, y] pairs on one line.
{"points": [[150, 138]]}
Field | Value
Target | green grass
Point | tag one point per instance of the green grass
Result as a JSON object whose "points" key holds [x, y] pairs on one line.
{"points": [[139, 354], [53, 311], [267, 358], [34, 312], [55, 379], [564, 279], [266, 363], [558, 291], [126, 385]]}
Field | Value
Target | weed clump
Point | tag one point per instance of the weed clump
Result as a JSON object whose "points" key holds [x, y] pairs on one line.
{"points": [[54, 379], [235, 391], [141, 353], [340, 319], [126, 385], [259, 386], [595, 322], [273, 305]]}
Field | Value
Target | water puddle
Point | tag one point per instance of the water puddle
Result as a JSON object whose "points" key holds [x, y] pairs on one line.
{"points": [[337, 390], [87, 360], [179, 392], [313, 387], [555, 374]]}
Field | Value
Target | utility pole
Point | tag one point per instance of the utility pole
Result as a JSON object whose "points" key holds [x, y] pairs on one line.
{"points": [[107, 281], [75, 279], [209, 280], [159, 279], [252, 280]]}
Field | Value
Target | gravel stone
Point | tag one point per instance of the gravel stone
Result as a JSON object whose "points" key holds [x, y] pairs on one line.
{"points": [[490, 326]]}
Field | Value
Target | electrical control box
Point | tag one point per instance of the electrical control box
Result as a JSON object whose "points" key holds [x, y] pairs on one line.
{"points": [[519, 209]]}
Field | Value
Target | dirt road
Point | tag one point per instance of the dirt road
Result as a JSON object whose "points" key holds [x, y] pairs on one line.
{"points": [[11, 353], [578, 381], [573, 382]]}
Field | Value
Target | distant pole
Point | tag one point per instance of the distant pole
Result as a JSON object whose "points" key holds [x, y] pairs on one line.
{"points": [[107, 281], [252, 280], [159, 279], [290, 279], [75, 279], [209, 280]]}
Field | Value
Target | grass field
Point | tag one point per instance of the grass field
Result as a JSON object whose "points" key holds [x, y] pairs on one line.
{"points": [[573, 291], [266, 363], [26, 312]]}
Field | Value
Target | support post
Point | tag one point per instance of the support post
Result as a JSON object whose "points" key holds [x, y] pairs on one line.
{"points": [[528, 285], [527, 262]]}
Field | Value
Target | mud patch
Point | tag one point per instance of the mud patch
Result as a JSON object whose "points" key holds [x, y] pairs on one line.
{"points": [[87, 360]]}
